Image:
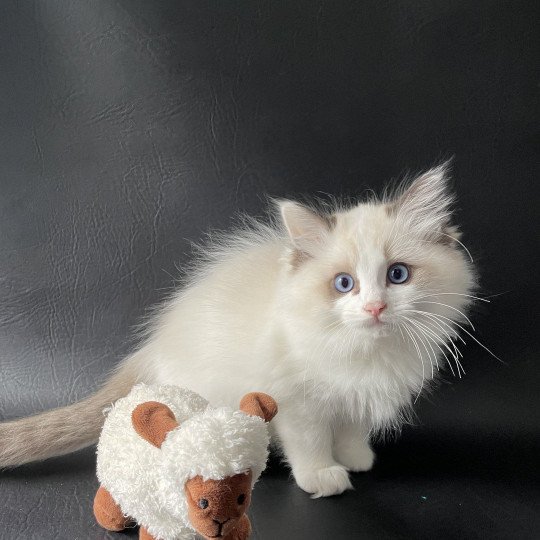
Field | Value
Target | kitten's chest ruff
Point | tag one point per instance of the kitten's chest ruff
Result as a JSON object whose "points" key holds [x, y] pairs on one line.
{"points": [[370, 386]]}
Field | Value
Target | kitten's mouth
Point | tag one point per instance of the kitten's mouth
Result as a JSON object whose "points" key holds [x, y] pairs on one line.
{"points": [[375, 322], [372, 326], [375, 327]]}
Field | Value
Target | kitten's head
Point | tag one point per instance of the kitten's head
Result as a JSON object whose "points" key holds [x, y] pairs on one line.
{"points": [[379, 268]]}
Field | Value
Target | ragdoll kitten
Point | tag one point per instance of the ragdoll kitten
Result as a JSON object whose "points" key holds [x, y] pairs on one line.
{"points": [[343, 316]]}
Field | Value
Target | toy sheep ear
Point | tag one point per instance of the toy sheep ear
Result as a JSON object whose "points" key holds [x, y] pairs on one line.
{"points": [[259, 404], [152, 421]]}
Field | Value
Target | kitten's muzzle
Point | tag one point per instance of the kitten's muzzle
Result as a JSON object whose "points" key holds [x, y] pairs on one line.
{"points": [[375, 308]]}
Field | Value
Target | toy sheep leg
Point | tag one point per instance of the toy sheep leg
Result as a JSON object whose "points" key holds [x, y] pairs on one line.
{"points": [[144, 534], [108, 513]]}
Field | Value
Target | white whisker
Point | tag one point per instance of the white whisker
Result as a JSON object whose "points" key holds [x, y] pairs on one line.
{"points": [[457, 294], [470, 335], [436, 338], [414, 324], [418, 333], [446, 305], [437, 320], [405, 326], [460, 243]]}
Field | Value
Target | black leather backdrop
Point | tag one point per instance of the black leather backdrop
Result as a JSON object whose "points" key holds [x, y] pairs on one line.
{"points": [[130, 127]]}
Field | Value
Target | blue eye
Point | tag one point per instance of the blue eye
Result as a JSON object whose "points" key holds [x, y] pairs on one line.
{"points": [[398, 273], [344, 283]]}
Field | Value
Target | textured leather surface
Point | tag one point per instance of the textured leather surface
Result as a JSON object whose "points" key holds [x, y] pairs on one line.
{"points": [[131, 127]]}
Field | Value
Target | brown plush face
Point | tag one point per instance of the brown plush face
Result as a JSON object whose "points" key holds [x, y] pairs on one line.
{"points": [[216, 506]]}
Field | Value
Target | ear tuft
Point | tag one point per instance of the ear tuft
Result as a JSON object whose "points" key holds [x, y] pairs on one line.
{"points": [[152, 421], [259, 404], [426, 203], [307, 230]]}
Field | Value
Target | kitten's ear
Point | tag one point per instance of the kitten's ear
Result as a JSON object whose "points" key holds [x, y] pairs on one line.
{"points": [[307, 230], [426, 204]]}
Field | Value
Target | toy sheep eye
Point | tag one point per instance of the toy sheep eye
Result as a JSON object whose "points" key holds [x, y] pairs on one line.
{"points": [[241, 499], [343, 283], [203, 503], [398, 273]]}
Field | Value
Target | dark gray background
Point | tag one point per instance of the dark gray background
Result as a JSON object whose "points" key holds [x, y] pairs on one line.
{"points": [[128, 128]]}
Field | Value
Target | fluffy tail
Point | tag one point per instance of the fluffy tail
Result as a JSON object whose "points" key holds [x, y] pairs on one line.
{"points": [[66, 429]]}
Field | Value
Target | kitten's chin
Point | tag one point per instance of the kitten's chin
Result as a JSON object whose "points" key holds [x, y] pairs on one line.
{"points": [[377, 332]]}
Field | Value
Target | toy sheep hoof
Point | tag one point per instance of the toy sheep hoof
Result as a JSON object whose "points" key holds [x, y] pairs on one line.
{"points": [[108, 514], [145, 535], [180, 467]]}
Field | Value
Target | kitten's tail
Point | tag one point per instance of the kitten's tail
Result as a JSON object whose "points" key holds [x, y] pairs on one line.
{"points": [[66, 429]]}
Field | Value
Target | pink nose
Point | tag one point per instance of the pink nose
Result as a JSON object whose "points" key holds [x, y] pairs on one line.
{"points": [[374, 308]]}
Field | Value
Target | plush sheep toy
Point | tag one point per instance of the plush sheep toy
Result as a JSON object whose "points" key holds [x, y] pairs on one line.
{"points": [[177, 466]]}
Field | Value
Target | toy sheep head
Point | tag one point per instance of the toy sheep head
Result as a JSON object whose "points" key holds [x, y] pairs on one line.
{"points": [[215, 507], [214, 466]]}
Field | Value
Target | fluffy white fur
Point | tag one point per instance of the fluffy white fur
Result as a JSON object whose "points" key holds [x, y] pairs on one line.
{"points": [[259, 311], [148, 482]]}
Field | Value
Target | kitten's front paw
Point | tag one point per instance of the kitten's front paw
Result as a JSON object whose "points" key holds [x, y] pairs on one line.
{"points": [[324, 482], [356, 458]]}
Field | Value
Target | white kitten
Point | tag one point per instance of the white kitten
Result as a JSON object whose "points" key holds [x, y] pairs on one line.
{"points": [[342, 316]]}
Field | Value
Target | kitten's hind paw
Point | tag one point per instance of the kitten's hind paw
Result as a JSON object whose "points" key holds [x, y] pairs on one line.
{"points": [[323, 482], [355, 458]]}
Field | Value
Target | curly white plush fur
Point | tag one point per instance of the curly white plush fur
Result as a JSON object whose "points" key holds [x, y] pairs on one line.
{"points": [[148, 482]]}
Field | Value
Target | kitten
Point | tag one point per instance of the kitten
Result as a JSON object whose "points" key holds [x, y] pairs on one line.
{"points": [[343, 316]]}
